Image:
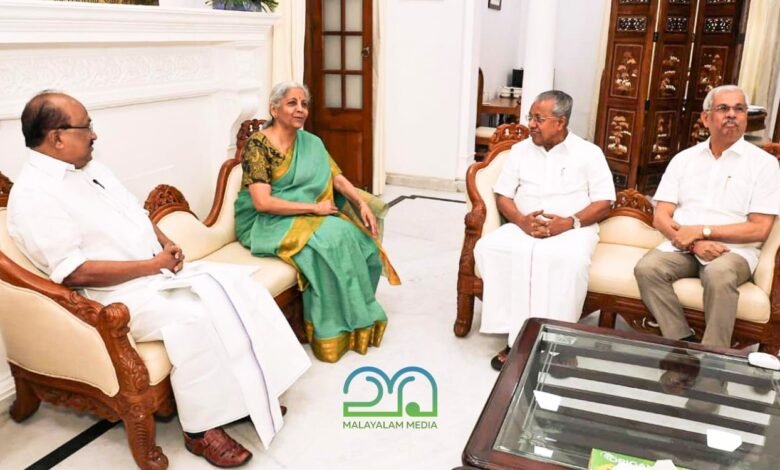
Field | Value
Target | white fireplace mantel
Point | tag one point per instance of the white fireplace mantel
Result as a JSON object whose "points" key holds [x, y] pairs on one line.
{"points": [[167, 88]]}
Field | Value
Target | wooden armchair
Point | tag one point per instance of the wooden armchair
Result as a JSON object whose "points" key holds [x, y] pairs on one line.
{"points": [[68, 350], [214, 238]]}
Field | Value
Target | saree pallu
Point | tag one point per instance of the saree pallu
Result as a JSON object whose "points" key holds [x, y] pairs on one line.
{"points": [[337, 261]]}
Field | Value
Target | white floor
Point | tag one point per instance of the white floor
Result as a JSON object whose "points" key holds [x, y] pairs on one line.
{"points": [[423, 237]]}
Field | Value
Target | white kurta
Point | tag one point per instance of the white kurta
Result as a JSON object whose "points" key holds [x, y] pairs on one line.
{"points": [[527, 277], [232, 351], [719, 191]]}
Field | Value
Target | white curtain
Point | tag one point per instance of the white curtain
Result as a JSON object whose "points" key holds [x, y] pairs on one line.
{"points": [[289, 34], [600, 58], [379, 175], [758, 74]]}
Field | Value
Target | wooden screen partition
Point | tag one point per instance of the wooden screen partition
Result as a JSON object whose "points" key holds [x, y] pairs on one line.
{"points": [[652, 84]]}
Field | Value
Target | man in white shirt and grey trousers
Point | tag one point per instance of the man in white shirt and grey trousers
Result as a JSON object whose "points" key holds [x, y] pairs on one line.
{"points": [[232, 351], [717, 202]]}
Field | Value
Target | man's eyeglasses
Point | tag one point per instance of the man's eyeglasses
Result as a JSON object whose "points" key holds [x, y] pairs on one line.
{"points": [[539, 118], [67, 128], [723, 109]]}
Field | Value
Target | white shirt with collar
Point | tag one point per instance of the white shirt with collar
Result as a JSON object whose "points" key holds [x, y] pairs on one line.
{"points": [[719, 191], [561, 181], [60, 217]]}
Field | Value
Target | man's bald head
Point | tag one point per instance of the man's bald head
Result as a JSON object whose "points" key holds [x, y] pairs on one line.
{"points": [[44, 112]]}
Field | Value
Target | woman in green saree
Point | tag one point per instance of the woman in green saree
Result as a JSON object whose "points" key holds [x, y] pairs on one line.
{"points": [[286, 208]]}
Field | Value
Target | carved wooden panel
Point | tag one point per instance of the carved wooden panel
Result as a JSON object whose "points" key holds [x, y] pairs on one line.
{"points": [[720, 24], [663, 147], [626, 70], [697, 133], [673, 72], [632, 24], [619, 133], [676, 24]]}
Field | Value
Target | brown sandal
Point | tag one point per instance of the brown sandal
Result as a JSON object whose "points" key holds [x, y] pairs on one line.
{"points": [[498, 361], [218, 448]]}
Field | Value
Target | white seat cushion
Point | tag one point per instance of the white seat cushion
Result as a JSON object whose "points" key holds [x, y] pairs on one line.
{"points": [[274, 274], [612, 273], [156, 360]]}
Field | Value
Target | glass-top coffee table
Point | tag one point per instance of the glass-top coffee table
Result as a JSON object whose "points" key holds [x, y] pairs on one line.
{"points": [[567, 389]]}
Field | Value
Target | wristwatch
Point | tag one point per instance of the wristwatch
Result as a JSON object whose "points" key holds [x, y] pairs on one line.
{"points": [[706, 233], [577, 223]]}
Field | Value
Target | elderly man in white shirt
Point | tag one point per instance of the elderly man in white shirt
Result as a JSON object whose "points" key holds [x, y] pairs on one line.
{"points": [[717, 202], [553, 190], [232, 351]]}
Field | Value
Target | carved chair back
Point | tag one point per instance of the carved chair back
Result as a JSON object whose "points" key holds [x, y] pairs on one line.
{"points": [[513, 132], [248, 127], [773, 148]]}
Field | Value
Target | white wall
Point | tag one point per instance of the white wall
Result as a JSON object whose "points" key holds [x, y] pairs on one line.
{"points": [[577, 43], [425, 44], [501, 42]]}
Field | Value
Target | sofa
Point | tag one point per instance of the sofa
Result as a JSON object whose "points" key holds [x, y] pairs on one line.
{"points": [[625, 236], [214, 238]]}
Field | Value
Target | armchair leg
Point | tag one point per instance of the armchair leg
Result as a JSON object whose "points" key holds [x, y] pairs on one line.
{"points": [[607, 319], [166, 411], [465, 314], [140, 429], [26, 402], [772, 349]]}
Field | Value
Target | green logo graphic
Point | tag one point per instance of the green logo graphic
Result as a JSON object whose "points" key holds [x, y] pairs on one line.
{"points": [[394, 386]]}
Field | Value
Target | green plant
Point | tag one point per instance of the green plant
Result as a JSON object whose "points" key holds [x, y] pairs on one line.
{"points": [[261, 5]]}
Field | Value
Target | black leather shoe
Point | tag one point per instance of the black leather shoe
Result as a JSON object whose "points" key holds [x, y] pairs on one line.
{"points": [[498, 361]]}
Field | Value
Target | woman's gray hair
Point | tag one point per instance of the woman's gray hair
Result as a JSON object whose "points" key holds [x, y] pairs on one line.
{"points": [[707, 105], [277, 94], [563, 103]]}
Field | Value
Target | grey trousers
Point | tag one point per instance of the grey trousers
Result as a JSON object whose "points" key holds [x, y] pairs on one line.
{"points": [[657, 271]]}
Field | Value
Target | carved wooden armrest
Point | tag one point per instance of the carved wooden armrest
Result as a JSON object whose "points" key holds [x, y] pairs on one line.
{"points": [[5, 189], [165, 199], [632, 203]]}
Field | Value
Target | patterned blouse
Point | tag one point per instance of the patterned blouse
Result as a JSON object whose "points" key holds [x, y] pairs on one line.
{"points": [[260, 158]]}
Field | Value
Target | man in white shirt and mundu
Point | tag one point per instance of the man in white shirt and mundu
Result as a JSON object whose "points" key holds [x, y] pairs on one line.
{"points": [[553, 190], [231, 349], [717, 202]]}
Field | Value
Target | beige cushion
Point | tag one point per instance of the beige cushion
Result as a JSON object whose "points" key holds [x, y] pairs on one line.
{"points": [[765, 270], [274, 274], [156, 360], [484, 132], [612, 270], [8, 247], [624, 230], [196, 240], [485, 179], [612, 273], [43, 337]]}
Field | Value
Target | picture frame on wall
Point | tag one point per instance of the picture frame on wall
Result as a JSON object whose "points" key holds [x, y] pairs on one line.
{"points": [[494, 4]]}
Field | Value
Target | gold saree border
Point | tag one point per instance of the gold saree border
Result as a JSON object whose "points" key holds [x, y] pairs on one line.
{"points": [[358, 340]]}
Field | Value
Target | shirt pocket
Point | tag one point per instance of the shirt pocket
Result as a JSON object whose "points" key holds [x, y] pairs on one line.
{"points": [[573, 179], [735, 196]]}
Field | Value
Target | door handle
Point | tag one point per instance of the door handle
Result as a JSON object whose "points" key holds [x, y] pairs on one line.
{"points": [[366, 51]]}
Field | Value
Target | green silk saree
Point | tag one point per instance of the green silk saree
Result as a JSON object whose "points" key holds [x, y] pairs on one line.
{"points": [[337, 261]]}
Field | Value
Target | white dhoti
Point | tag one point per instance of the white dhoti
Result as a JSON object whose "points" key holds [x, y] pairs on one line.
{"points": [[233, 353], [527, 277]]}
